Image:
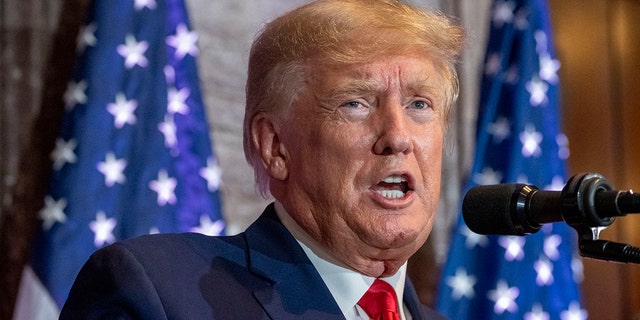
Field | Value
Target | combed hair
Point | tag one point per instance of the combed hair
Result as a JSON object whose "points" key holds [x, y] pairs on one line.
{"points": [[341, 33]]}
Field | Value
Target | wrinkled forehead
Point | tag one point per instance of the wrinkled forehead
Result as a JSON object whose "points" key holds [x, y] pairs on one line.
{"points": [[405, 72]]}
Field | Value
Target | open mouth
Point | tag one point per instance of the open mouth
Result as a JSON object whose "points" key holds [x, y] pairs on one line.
{"points": [[393, 187]]}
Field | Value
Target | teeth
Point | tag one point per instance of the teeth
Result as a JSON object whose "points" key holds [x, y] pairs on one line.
{"points": [[391, 194], [394, 179], [392, 190]]}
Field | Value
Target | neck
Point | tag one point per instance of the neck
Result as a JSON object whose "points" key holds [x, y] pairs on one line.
{"points": [[358, 263]]}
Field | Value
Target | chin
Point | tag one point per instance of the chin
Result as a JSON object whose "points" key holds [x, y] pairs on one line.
{"points": [[399, 238]]}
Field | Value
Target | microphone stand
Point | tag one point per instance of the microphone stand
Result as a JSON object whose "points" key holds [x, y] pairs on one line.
{"points": [[609, 250], [579, 210]]}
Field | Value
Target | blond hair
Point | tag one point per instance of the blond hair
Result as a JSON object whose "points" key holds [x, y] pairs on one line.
{"points": [[341, 32]]}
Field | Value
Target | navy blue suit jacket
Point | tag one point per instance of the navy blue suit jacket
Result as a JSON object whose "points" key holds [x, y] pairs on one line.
{"points": [[260, 274]]}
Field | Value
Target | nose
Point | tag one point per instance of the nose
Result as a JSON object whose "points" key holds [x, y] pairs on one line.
{"points": [[393, 131]]}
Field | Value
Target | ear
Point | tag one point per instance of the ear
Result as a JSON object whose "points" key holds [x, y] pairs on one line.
{"points": [[266, 139]]}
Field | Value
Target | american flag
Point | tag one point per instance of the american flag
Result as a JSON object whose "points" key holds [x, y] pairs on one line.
{"points": [[134, 155], [518, 140]]}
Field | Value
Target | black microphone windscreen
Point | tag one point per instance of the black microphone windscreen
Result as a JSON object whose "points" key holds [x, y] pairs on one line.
{"points": [[487, 209]]}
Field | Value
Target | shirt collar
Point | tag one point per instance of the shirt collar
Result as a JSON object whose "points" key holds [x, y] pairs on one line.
{"points": [[347, 286]]}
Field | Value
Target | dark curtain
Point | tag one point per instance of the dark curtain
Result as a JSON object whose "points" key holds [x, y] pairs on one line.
{"points": [[37, 46]]}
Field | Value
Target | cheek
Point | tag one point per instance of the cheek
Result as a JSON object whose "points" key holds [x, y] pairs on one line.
{"points": [[430, 149], [322, 155], [338, 147], [429, 159]]}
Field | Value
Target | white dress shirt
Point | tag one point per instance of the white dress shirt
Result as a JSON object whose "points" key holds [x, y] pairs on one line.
{"points": [[347, 286]]}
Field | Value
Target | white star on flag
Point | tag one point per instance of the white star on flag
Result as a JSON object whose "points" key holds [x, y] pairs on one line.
{"points": [[178, 100], [522, 178], [542, 42], [184, 42], [133, 52], [473, 239], [512, 75], [549, 69], [544, 269], [513, 247], [487, 177], [169, 74], [538, 91], [75, 94], [63, 153], [500, 129], [86, 37], [493, 64], [530, 140], [574, 312], [212, 173], [208, 227], [504, 298], [563, 146], [113, 170], [103, 229], [462, 284], [141, 4], [521, 22], [52, 212], [165, 187], [168, 129], [557, 184], [503, 13], [122, 110], [537, 313], [550, 247]]}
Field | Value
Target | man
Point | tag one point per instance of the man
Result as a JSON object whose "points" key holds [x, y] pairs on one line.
{"points": [[347, 106]]}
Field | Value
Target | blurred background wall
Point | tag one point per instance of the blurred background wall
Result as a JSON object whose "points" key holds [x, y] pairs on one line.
{"points": [[598, 44]]}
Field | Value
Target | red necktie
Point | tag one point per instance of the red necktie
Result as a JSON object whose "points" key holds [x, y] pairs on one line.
{"points": [[380, 302]]}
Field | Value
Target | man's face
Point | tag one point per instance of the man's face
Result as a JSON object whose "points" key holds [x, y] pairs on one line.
{"points": [[364, 147]]}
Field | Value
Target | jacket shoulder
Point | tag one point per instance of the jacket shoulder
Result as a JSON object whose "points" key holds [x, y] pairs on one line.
{"points": [[153, 277], [174, 246]]}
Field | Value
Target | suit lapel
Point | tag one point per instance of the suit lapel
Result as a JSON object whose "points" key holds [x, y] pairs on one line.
{"points": [[418, 310], [296, 290], [411, 301]]}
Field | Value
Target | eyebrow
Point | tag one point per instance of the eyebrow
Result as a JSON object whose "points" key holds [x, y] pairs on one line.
{"points": [[355, 86], [359, 86], [424, 86]]}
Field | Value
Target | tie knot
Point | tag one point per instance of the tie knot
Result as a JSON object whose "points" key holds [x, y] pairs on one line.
{"points": [[380, 301]]}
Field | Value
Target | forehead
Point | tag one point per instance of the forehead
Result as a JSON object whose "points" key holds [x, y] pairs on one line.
{"points": [[402, 71]]}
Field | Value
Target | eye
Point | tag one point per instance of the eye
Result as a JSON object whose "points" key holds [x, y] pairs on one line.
{"points": [[355, 110], [352, 104], [419, 104], [421, 110]]}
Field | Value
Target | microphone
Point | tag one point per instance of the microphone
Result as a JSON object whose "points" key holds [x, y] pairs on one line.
{"points": [[519, 209]]}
